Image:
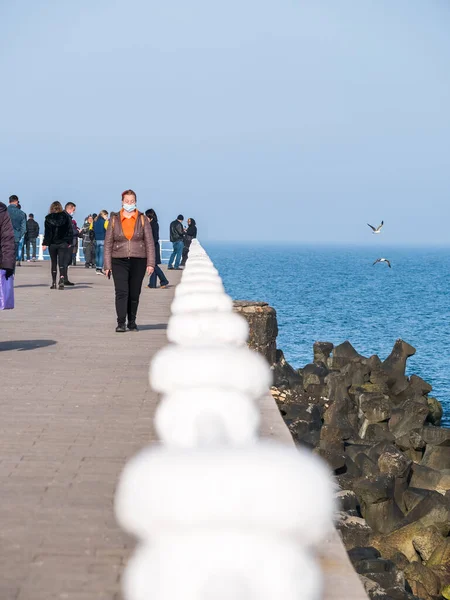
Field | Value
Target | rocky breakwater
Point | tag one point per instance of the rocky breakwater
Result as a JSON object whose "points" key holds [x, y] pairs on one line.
{"points": [[379, 430]]}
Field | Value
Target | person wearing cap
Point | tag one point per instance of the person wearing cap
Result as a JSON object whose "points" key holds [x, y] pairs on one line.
{"points": [[31, 234], [177, 239]]}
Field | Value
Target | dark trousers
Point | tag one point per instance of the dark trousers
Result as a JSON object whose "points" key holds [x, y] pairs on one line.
{"points": [[31, 241], [89, 253], [58, 256], [128, 274], [69, 252], [157, 273], [16, 252], [187, 244]]}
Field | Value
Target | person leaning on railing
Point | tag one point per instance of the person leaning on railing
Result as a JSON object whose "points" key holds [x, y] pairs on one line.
{"points": [[129, 253], [158, 272]]}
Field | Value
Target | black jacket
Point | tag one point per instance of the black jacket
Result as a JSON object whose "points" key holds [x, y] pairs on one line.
{"points": [[176, 231], [58, 229], [32, 229], [155, 230], [191, 231]]}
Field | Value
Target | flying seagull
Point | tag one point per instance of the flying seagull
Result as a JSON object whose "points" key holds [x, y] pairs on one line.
{"points": [[380, 260], [376, 229]]}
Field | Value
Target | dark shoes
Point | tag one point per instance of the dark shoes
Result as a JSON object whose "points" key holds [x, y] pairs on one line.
{"points": [[121, 328], [67, 282], [53, 286], [132, 326], [61, 284], [170, 268]]}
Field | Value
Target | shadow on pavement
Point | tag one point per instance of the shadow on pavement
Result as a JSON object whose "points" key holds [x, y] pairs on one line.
{"points": [[34, 285], [23, 345], [29, 285], [149, 327]]}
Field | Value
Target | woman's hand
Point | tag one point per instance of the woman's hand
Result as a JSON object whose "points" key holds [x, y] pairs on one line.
{"points": [[107, 273], [150, 270]]}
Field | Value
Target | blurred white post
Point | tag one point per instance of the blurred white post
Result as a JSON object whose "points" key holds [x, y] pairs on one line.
{"points": [[41, 252], [219, 514]]}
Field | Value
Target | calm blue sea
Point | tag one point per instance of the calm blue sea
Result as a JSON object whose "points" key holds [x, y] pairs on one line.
{"points": [[335, 294]]}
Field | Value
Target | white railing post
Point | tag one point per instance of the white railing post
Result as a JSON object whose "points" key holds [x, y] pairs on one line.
{"points": [[219, 513], [41, 252]]}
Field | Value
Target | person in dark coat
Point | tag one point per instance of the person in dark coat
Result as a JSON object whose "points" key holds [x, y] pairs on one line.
{"points": [[58, 238], [19, 222], [176, 237], [7, 244], [88, 241], [31, 236], [191, 233], [158, 273]]}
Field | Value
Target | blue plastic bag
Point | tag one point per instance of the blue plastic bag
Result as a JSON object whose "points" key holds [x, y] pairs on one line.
{"points": [[6, 291]]}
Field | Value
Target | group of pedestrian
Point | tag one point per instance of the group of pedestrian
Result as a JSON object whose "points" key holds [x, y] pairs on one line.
{"points": [[93, 235], [125, 246]]}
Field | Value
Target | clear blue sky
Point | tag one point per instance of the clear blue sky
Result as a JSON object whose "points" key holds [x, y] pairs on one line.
{"points": [[289, 120]]}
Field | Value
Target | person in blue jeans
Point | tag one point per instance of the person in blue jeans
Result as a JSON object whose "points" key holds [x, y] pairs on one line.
{"points": [[100, 227], [158, 272], [177, 239]]}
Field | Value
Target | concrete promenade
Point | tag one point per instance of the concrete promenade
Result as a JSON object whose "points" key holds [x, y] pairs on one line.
{"points": [[75, 405]]}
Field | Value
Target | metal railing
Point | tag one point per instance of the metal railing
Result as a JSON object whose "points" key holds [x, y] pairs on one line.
{"points": [[219, 514], [166, 250]]}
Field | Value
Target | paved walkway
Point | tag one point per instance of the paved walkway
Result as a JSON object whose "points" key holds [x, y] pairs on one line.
{"points": [[75, 404]]}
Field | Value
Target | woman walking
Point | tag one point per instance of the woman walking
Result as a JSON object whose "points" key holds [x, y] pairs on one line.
{"points": [[88, 241], [58, 237], [100, 227], [191, 233], [158, 272], [129, 253]]}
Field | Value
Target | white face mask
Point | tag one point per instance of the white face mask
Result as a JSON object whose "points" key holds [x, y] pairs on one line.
{"points": [[129, 207]]}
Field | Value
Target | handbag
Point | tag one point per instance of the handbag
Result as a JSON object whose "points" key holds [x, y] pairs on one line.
{"points": [[6, 291]]}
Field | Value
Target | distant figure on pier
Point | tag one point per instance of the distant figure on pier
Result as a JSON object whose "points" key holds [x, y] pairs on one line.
{"points": [[177, 239], [100, 227], [70, 209], [190, 234], [32, 234], [23, 241], [158, 272], [7, 242], [58, 238], [129, 253], [88, 242], [19, 223]]}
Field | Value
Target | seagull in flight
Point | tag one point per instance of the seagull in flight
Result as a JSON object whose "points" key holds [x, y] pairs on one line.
{"points": [[381, 260], [376, 229]]}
